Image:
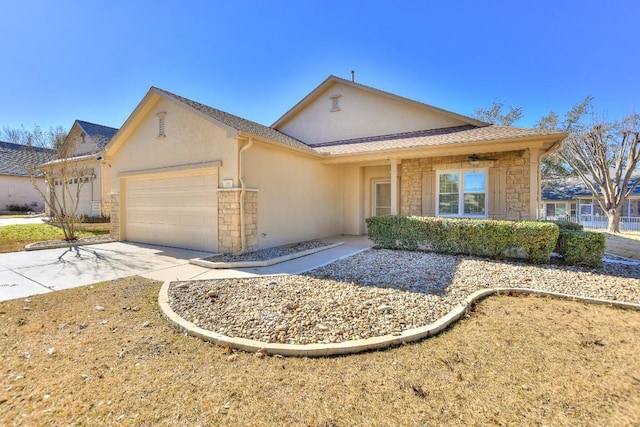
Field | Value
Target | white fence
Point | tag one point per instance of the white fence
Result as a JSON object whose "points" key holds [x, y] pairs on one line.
{"points": [[600, 222]]}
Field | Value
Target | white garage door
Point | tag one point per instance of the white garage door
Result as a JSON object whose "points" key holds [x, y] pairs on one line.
{"points": [[178, 211]]}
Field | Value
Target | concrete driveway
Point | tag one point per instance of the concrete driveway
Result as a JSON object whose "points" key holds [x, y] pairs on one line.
{"points": [[36, 272]]}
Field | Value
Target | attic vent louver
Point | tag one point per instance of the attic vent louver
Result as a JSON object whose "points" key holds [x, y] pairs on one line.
{"points": [[335, 103], [161, 124]]}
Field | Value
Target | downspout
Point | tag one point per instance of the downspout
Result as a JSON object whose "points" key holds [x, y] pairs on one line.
{"points": [[243, 190], [555, 147]]}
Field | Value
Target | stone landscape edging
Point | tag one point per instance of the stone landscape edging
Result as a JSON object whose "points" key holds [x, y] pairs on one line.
{"points": [[244, 264], [366, 344]]}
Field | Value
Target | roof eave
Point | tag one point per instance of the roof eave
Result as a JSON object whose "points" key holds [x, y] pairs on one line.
{"points": [[334, 79], [456, 148]]}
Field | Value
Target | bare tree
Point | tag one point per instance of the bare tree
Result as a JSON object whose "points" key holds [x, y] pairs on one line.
{"points": [[553, 165], [605, 156], [64, 174], [496, 116]]}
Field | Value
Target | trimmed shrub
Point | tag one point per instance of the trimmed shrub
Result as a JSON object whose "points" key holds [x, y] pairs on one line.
{"points": [[98, 219], [567, 225], [583, 248], [18, 208], [491, 238]]}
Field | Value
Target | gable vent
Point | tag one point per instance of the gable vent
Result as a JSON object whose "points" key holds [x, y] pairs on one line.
{"points": [[335, 102], [161, 124]]}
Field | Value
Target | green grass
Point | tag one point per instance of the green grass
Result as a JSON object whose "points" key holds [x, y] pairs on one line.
{"points": [[15, 237], [39, 232]]}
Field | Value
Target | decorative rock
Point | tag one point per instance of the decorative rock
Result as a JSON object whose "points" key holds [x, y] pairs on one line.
{"points": [[99, 308], [376, 292]]}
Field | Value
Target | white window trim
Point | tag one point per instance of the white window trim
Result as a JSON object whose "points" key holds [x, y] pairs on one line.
{"points": [[461, 173], [374, 198]]}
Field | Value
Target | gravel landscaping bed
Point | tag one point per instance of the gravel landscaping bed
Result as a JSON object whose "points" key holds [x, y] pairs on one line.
{"points": [[376, 292], [269, 253]]}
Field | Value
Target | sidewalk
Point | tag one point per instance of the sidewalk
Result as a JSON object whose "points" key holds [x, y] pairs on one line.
{"points": [[352, 245]]}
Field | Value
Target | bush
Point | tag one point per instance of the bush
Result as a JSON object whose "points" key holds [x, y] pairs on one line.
{"points": [[18, 208], [566, 225], [490, 238], [98, 219], [583, 248]]}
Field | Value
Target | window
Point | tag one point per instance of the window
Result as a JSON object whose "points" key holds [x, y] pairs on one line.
{"points": [[462, 193], [556, 209], [381, 198]]}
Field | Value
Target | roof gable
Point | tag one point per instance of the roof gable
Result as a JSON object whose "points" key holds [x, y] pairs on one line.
{"points": [[15, 159], [86, 138], [239, 124], [339, 109]]}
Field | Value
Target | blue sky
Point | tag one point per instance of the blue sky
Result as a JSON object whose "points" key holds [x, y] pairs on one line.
{"points": [[95, 60]]}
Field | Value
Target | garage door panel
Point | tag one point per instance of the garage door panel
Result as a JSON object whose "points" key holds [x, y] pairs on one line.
{"points": [[177, 211]]}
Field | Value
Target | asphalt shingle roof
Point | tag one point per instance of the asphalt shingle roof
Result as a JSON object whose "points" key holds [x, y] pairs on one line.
{"points": [[241, 124], [14, 158], [436, 137], [572, 187], [98, 133]]}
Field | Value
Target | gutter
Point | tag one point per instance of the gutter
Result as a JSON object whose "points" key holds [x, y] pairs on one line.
{"points": [[243, 190]]}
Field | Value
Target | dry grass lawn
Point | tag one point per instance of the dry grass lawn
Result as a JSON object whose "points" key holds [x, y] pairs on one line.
{"points": [[513, 361], [624, 244]]}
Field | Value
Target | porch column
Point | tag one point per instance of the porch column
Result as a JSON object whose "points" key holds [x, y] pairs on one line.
{"points": [[394, 186], [534, 183]]}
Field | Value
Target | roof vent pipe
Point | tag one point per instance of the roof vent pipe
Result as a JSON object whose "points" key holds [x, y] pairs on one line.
{"points": [[353, 75]]}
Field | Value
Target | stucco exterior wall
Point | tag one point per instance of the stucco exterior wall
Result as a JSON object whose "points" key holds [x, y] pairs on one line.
{"points": [[299, 198], [188, 139], [352, 199], [360, 113], [18, 190], [81, 145], [508, 179]]}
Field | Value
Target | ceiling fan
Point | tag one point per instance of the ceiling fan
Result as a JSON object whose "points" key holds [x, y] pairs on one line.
{"points": [[474, 159]]}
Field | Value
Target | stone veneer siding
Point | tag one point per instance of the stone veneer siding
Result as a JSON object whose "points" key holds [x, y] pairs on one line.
{"points": [[512, 166], [114, 232], [229, 234]]}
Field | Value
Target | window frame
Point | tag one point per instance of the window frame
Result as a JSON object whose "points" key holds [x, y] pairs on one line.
{"points": [[374, 195], [461, 193]]}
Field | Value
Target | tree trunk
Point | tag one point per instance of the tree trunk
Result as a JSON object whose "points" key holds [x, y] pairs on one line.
{"points": [[613, 216]]}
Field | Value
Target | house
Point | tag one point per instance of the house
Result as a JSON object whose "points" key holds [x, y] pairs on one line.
{"points": [[16, 187], [82, 167], [188, 175], [569, 199]]}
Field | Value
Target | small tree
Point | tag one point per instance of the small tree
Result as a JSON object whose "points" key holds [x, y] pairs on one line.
{"points": [[605, 156], [64, 175]]}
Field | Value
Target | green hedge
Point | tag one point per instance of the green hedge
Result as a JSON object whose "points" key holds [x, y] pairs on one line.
{"points": [[567, 225], [490, 238], [581, 247]]}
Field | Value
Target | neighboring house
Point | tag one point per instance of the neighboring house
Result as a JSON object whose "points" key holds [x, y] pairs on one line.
{"points": [[16, 187], [85, 168], [569, 199], [187, 175]]}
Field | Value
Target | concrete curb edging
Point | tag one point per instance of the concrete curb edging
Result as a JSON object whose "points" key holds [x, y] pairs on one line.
{"points": [[266, 263], [357, 346]]}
